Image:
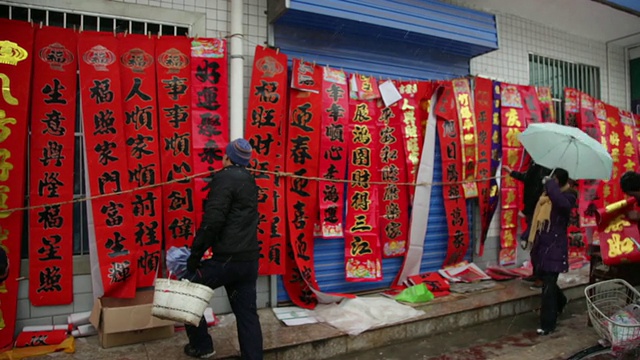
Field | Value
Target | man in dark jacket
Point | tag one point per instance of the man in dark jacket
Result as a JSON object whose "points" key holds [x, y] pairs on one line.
{"points": [[550, 250], [229, 227], [533, 188]]}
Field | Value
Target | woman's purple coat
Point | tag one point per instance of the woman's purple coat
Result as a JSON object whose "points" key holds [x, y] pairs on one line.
{"points": [[550, 250]]}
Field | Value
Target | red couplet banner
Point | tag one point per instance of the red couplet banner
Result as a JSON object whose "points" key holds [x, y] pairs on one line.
{"points": [[209, 110], [333, 159], [53, 113], [172, 54], [106, 151], [547, 110], [513, 123], [483, 99], [363, 255], [393, 199], [303, 149], [468, 136], [452, 191], [266, 131], [615, 145], [16, 58], [138, 81]]}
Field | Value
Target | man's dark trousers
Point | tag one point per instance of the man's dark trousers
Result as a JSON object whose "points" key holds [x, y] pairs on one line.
{"points": [[239, 279]]}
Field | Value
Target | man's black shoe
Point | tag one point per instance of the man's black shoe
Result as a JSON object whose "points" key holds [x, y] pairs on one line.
{"points": [[190, 351]]}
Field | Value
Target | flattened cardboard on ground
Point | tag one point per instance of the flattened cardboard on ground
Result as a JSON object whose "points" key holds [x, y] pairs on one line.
{"points": [[128, 321]]}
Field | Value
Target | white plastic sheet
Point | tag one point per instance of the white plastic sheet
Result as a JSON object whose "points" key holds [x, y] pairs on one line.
{"points": [[354, 316]]}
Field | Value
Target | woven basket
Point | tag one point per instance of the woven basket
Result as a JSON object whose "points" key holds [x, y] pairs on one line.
{"points": [[180, 301]]}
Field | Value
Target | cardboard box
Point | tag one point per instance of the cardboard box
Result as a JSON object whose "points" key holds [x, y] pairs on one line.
{"points": [[128, 321]]}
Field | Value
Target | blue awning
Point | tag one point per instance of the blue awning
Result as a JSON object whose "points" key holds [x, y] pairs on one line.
{"points": [[423, 24]]}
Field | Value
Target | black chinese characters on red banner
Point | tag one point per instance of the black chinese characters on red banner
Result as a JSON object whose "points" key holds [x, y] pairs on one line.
{"points": [[53, 114], [106, 155]]}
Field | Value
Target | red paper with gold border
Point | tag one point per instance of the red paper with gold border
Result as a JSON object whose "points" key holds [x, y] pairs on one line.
{"points": [[393, 199], [363, 255], [173, 73], [483, 100], [209, 111], [138, 80], [587, 204], [574, 232], [266, 131], [452, 191], [513, 123], [603, 131], [53, 113], [333, 159], [104, 122], [303, 152], [16, 58], [468, 136], [547, 109]]}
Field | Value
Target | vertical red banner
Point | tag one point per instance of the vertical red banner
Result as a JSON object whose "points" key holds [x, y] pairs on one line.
{"points": [[468, 136], [16, 59], [333, 159], [615, 130], [174, 110], [362, 244], [209, 110], [138, 81], [513, 123], [53, 114], [393, 199], [265, 129], [452, 191], [303, 151], [483, 100], [106, 152], [547, 109]]}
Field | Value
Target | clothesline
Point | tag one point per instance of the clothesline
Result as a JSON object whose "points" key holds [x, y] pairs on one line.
{"points": [[268, 172]]}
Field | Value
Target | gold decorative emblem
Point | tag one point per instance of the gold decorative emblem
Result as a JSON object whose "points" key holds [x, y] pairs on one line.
{"points": [[100, 57], [174, 60], [57, 56], [11, 53], [269, 66], [136, 59]]}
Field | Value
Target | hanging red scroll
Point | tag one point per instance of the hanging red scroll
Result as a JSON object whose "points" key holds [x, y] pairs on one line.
{"points": [[628, 155], [265, 129], [547, 110], [589, 200], [468, 136], [393, 199], [483, 99], [513, 123], [412, 110], [615, 130], [362, 244], [496, 152], [452, 191], [303, 148], [138, 80], [209, 110], [53, 113], [174, 111], [16, 57], [106, 155], [333, 159]]}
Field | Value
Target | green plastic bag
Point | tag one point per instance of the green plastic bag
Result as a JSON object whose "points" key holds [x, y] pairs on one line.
{"points": [[415, 294]]}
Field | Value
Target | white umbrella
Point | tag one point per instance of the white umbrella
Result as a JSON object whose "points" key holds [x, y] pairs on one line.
{"points": [[557, 146]]}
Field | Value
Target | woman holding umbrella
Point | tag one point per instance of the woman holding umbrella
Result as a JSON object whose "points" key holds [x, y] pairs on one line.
{"points": [[550, 253]]}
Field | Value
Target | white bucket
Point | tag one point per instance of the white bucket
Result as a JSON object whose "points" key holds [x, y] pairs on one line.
{"points": [[180, 301]]}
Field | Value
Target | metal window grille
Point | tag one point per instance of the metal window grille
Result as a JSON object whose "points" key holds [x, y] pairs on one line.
{"points": [[82, 21], [557, 74]]}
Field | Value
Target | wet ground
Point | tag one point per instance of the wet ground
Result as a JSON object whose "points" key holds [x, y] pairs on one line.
{"points": [[509, 338]]}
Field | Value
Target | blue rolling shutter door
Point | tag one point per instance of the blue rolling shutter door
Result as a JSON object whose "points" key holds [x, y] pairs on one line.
{"points": [[371, 55]]}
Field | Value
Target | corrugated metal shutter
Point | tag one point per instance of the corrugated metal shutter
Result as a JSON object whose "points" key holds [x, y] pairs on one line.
{"points": [[372, 55]]}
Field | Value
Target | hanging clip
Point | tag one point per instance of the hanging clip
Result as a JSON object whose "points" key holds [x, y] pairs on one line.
{"points": [[40, 24]]}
